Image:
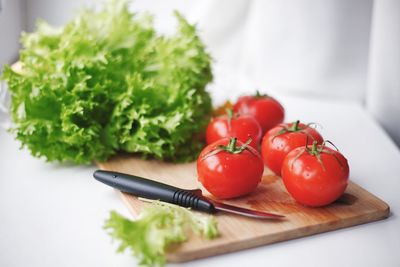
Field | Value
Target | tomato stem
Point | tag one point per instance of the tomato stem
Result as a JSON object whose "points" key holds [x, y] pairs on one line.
{"points": [[260, 95], [295, 127], [314, 148], [232, 145], [231, 148], [316, 151]]}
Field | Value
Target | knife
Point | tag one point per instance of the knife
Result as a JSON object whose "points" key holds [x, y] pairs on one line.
{"points": [[194, 199]]}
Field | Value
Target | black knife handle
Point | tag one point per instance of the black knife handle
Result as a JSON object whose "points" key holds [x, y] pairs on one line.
{"points": [[150, 189]]}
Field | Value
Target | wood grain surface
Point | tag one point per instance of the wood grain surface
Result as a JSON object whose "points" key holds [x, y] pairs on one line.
{"points": [[356, 206]]}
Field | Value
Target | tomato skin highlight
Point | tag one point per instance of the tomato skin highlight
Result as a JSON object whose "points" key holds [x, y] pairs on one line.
{"points": [[266, 110], [243, 127], [226, 175], [314, 184], [275, 146]]}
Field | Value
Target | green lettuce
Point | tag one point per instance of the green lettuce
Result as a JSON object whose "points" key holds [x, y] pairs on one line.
{"points": [[157, 228], [107, 82]]}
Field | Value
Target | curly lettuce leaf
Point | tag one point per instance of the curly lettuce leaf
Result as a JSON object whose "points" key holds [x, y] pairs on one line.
{"points": [[157, 227], [107, 82]]}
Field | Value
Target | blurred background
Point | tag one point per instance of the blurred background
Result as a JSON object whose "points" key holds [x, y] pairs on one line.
{"points": [[339, 50]]}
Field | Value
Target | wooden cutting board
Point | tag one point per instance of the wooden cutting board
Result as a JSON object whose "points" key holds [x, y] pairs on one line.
{"points": [[356, 206]]}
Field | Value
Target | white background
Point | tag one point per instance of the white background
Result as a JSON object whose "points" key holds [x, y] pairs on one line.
{"points": [[336, 62]]}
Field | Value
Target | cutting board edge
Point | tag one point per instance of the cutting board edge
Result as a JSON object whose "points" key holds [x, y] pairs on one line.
{"points": [[218, 249], [385, 206], [258, 242]]}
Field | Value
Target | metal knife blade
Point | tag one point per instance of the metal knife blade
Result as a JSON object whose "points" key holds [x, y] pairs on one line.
{"points": [[219, 206], [150, 189], [246, 212]]}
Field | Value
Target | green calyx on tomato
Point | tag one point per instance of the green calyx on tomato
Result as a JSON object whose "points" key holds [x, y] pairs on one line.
{"points": [[231, 148], [316, 150], [296, 127], [260, 95]]}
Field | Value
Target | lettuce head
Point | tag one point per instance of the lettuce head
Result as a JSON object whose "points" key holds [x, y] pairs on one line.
{"points": [[108, 82]]}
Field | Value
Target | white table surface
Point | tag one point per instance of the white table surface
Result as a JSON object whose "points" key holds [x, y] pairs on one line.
{"points": [[52, 215]]}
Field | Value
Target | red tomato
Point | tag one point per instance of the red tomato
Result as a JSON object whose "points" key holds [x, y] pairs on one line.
{"points": [[315, 177], [228, 169], [265, 109], [242, 127], [282, 139]]}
